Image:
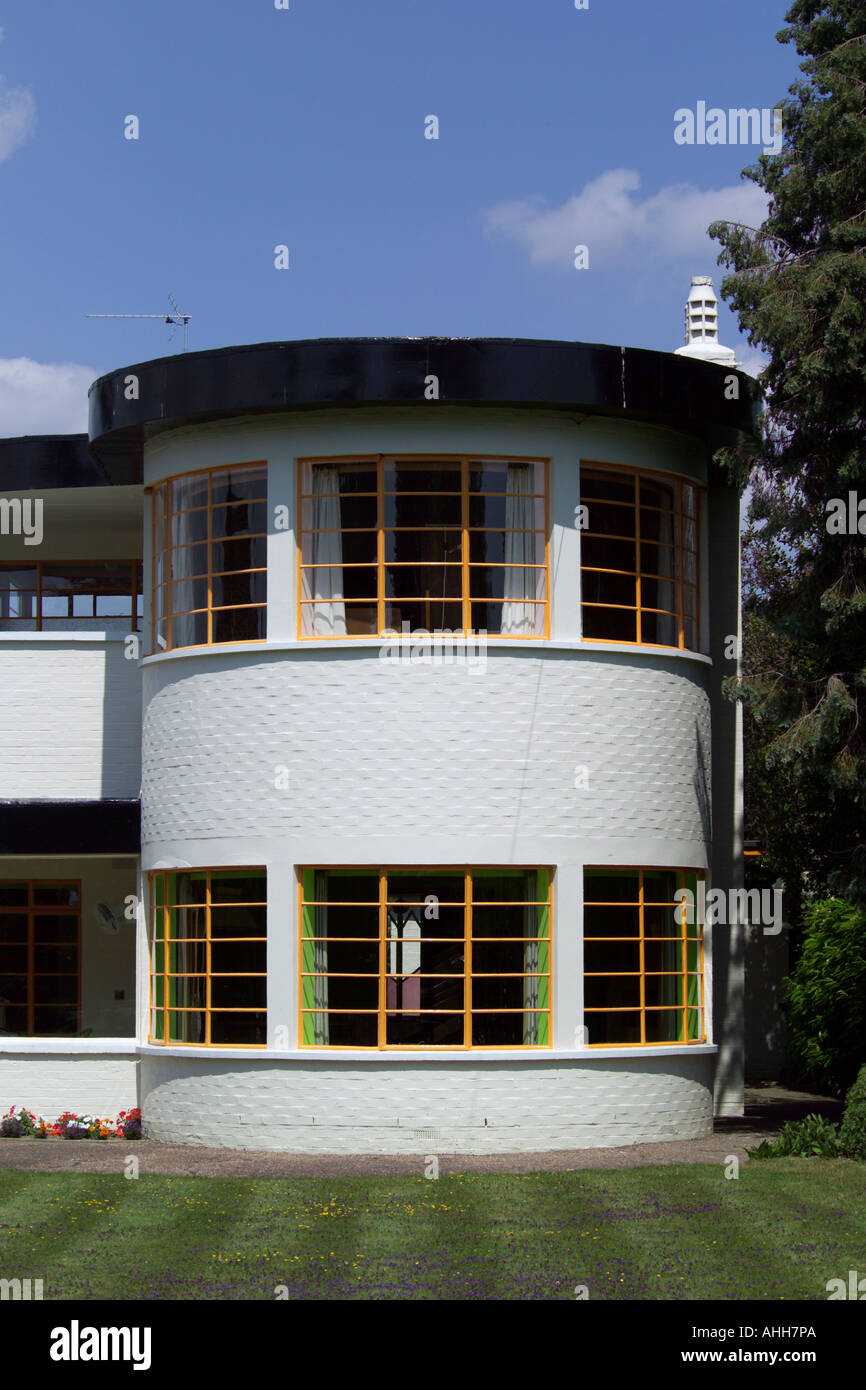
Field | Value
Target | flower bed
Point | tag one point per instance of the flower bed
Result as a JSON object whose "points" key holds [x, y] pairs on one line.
{"points": [[23, 1124]]}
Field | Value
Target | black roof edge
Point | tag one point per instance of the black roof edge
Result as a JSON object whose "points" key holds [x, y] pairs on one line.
{"points": [[639, 384], [109, 826], [40, 462]]}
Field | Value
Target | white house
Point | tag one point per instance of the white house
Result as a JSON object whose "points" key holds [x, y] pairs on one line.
{"points": [[410, 653]]}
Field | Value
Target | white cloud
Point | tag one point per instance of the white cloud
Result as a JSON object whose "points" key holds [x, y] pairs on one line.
{"points": [[17, 118], [615, 223], [43, 397], [753, 363]]}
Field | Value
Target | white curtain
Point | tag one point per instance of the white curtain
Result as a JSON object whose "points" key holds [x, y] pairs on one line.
{"points": [[188, 527], [321, 1019], [662, 561], [327, 616], [520, 617], [530, 963]]}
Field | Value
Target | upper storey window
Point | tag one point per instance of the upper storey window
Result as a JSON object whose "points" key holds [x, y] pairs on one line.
{"points": [[210, 558], [69, 595], [639, 558], [435, 544]]}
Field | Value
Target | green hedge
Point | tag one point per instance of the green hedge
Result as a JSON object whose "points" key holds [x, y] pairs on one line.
{"points": [[852, 1135], [827, 996]]}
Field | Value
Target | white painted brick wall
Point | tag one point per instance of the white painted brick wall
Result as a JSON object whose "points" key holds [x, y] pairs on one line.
{"points": [[90, 1084], [390, 1106], [376, 753], [70, 720]]}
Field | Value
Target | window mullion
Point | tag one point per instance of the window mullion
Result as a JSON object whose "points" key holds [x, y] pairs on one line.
{"points": [[638, 634], [380, 544], [382, 1037], [685, 953], [31, 963], [209, 558], [642, 957], [467, 960], [207, 928], [681, 561], [464, 519]]}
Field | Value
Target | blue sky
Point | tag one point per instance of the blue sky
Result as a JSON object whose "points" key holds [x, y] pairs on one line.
{"points": [[305, 127]]}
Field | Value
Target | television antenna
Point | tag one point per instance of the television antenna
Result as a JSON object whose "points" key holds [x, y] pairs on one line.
{"points": [[175, 317]]}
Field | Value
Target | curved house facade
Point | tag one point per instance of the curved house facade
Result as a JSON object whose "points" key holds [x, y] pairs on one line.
{"points": [[433, 744]]}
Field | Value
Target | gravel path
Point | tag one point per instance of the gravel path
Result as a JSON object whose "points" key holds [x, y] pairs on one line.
{"points": [[767, 1108]]}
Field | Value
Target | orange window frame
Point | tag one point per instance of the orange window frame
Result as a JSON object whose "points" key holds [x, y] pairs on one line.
{"points": [[382, 1045], [32, 909], [153, 939], [679, 550], [135, 590], [165, 484], [682, 939], [464, 461]]}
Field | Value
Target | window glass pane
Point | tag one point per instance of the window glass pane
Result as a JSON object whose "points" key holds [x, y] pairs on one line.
{"points": [[661, 629], [432, 545], [55, 1021], [239, 624], [412, 509], [610, 519], [232, 589], [239, 484], [424, 581], [504, 1029], [608, 588], [598, 553], [431, 614], [606, 486], [613, 1028], [189, 492], [419, 476], [13, 927], [431, 1030], [609, 624], [13, 894]]}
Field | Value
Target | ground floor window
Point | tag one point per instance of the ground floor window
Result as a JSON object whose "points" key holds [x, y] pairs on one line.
{"points": [[209, 957], [425, 957], [643, 958], [40, 950]]}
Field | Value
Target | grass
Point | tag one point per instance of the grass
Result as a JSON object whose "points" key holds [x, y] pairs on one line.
{"points": [[779, 1231]]}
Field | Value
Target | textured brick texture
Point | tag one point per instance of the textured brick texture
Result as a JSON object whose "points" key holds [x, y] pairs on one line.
{"points": [[91, 1084], [399, 1107], [382, 751], [70, 720]]}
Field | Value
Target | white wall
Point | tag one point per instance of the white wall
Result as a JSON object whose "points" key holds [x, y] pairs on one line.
{"points": [[389, 1106], [49, 1078], [70, 717]]}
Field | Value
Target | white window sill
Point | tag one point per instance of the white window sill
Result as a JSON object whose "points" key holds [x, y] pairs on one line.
{"points": [[525, 645], [73, 635], [67, 1047], [465, 1057]]}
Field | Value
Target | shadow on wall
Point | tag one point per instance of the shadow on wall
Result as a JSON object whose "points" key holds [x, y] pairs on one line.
{"points": [[766, 1022], [121, 721]]}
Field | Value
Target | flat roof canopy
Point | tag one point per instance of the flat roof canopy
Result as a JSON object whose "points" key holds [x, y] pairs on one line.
{"points": [[70, 827], [263, 378]]}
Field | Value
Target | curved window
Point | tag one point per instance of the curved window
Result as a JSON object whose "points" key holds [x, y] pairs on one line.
{"points": [[639, 558], [208, 939], [456, 545], [210, 558], [642, 957], [397, 958]]}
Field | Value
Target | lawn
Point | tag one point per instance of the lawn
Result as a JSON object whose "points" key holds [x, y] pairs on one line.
{"points": [[779, 1231]]}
